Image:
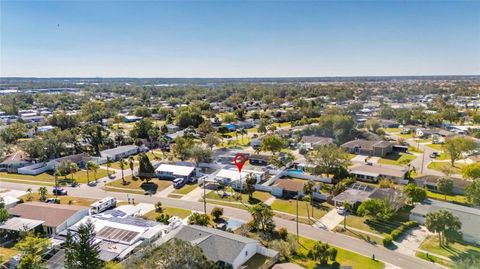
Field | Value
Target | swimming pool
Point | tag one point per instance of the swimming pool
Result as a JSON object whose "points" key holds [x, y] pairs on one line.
{"points": [[295, 171], [234, 224]]}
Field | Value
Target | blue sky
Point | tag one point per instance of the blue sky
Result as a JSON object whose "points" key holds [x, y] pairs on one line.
{"points": [[238, 38]]}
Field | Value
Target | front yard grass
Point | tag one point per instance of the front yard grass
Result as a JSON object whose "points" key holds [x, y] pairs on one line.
{"points": [[397, 159], [434, 259], [290, 206], [373, 226], [435, 146], [258, 196], [81, 176], [451, 198], [455, 251], [344, 258], [43, 177], [442, 166], [63, 199], [185, 189], [363, 236], [171, 211]]}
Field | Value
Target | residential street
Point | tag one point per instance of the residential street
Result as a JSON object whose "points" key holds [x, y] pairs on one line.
{"points": [[352, 244]]}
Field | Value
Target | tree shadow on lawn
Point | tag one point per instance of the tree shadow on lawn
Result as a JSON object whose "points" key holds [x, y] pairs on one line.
{"points": [[365, 238], [150, 187]]}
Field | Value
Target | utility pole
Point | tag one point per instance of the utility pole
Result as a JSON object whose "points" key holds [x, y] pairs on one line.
{"points": [[423, 161], [298, 239]]}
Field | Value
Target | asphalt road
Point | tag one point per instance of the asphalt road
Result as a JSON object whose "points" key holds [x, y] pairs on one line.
{"points": [[346, 242]]}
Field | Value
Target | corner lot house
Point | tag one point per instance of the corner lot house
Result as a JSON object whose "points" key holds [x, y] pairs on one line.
{"points": [[468, 216], [120, 152], [172, 171], [430, 182], [367, 147], [55, 217], [220, 246]]}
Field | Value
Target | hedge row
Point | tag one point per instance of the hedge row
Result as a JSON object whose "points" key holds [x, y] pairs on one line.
{"points": [[395, 234]]}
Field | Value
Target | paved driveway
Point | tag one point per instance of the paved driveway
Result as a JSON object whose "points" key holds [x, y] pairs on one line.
{"points": [[330, 220], [409, 244]]}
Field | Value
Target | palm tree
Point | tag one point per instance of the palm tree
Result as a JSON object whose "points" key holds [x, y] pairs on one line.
{"points": [[56, 174], [131, 162], [29, 190], [42, 192], [122, 166], [109, 164], [91, 166], [95, 168], [347, 207], [73, 169]]}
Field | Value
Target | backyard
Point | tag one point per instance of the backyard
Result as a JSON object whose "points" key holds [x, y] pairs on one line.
{"points": [[137, 185], [442, 166], [397, 159], [171, 211]]}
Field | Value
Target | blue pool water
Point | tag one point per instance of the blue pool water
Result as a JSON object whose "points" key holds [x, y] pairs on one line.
{"points": [[234, 224], [295, 171]]}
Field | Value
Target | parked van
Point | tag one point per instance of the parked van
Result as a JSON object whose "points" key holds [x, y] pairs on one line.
{"points": [[103, 205]]}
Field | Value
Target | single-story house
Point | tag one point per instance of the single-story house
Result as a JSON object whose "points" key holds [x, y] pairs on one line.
{"points": [[430, 182], [132, 118], [120, 152], [468, 216], [358, 193], [14, 162], [389, 123], [374, 172], [223, 247], [172, 128], [370, 148], [425, 133], [288, 188], [55, 217], [310, 141], [258, 159], [172, 171], [233, 177]]}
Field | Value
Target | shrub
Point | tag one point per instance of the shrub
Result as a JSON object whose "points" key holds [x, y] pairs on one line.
{"points": [[283, 233], [163, 218], [411, 224], [395, 234], [387, 241], [158, 207], [217, 212]]}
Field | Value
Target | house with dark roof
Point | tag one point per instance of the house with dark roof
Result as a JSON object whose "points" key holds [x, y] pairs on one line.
{"points": [[368, 147], [358, 193], [430, 182], [223, 247], [374, 172]]}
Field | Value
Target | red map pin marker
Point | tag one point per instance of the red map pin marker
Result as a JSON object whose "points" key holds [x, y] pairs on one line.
{"points": [[239, 161]]}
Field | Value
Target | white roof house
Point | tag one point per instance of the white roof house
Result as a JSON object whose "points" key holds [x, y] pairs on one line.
{"points": [[120, 152], [172, 170]]}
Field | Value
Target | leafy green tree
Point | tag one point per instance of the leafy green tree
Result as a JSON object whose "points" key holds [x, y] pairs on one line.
{"points": [[145, 171], [445, 186], [376, 208], [273, 143], [217, 212], [250, 182], [188, 116], [205, 128], [95, 111], [200, 154], [473, 192], [456, 146], [211, 140], [471, 171], [262, 217], [181, 148], [372, 125], [445, 224], [12, 132], [32, 248], [172, 255], [322, 252], [142, 128], [95, 135], [3, 211], [198, 219], [83, 252], [63, 120], [414, 194], [262, 126], [329, 159]]}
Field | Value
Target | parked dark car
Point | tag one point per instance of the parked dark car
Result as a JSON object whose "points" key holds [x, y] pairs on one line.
{"points": [[434, 155], [59, 191], [179, 182]]}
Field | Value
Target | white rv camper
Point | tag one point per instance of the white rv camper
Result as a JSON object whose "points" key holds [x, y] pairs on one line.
{"points": [[102, 205]]}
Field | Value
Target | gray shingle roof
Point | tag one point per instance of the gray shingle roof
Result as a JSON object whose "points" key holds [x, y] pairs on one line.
{"points": [[217, 245]]}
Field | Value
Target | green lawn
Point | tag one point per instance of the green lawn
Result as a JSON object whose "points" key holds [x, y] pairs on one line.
{"points": [[415, 150], [186, 189], [435, 146], [377, 227], [451, 198], [344, 258], [455, 251], [363, 236], [258, 196], [441, 166], [81, 176], [392, 130], [172, 211], [63, 199], [45, 177], [290, 206], [397, 159], [138, 186], [434, 259]]}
